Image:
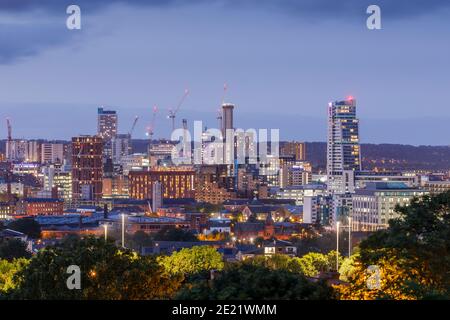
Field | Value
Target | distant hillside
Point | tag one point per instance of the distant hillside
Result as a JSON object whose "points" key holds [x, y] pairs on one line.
{"points": [[389, 156], [382, 156]]}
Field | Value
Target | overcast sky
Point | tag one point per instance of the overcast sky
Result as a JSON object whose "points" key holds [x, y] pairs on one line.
{"points": [[283, 62]]}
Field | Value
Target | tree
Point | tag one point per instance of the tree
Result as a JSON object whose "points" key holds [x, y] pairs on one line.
{"points": [[312, 264], [277, 262], [192, 261], [107, 272], [28, 226], [247, 281], [175, 234], [412, 254], [8, 270], [348, 267], [204, 207], [13, 249], [321, 241]]}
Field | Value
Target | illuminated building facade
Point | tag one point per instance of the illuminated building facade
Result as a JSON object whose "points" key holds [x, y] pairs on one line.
{"points": [[294, 148], [52, 153], [343, 149], [107, 123], [115, 187], [374, 206], [177, 182], [87, 168], [213, 185], [40, 206]]}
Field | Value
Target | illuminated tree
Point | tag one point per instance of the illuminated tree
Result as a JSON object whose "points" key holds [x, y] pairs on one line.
{"points": [[8, 270], [413, 254], [106, 273], [191, 261]]}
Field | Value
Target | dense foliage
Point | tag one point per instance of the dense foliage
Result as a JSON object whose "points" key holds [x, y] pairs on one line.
{"points": [[28, 226], [249, 281], [192, 261], [13, 249], [106, 273], [412, 255], [309, 265], [8, 271]]}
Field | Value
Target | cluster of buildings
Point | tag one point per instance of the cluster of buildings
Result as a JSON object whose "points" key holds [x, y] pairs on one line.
{"points": [[89, 184]]}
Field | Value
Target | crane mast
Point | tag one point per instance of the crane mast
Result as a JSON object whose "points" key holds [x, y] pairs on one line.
{"points": [[173, 113], [151, 130]]}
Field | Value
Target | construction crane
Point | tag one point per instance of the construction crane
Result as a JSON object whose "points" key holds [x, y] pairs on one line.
{"points": [[225, 88], [151, 130], [9, 165], [133, 126], [219, 118], [8, 124], [173, 113], [9, 139], [151, 127], [219, 111], [185, 131]]}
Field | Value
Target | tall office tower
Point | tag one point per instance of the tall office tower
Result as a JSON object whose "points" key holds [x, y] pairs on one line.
{"points": [[297, 149], [121, 147], [157, 198], [52, 153], [87, 167], [32, 151], [107, 123], [227, 117], [343, 150]]}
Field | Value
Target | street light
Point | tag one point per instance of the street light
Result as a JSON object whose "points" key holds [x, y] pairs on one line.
{"points": [[123, 230], [349, 236], [106, 231], [337, 246]]}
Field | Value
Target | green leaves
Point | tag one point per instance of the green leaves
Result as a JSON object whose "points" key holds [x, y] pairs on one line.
{"points": [[107, 272], [249, 281], [8, 271], [192, 261], [413, 253]]}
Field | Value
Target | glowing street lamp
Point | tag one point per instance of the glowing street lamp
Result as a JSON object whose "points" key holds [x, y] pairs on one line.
{"points": [[123, 230], [337, 246], [349, 236], [105, 226]]}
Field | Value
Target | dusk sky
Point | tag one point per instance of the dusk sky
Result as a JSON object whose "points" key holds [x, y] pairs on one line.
{"points": [[283, 62]]}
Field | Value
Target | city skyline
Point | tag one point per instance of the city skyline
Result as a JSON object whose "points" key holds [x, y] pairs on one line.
{"points": [[295, 63], [249, 151]]}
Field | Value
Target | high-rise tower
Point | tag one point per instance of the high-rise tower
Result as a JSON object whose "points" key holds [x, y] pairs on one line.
{"points": [[106, 123], [343, 150], [227, 117], [87, 168]]}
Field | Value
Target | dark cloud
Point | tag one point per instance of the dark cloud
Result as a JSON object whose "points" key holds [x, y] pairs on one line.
{"points": [[394, 8], [19, 41]]}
